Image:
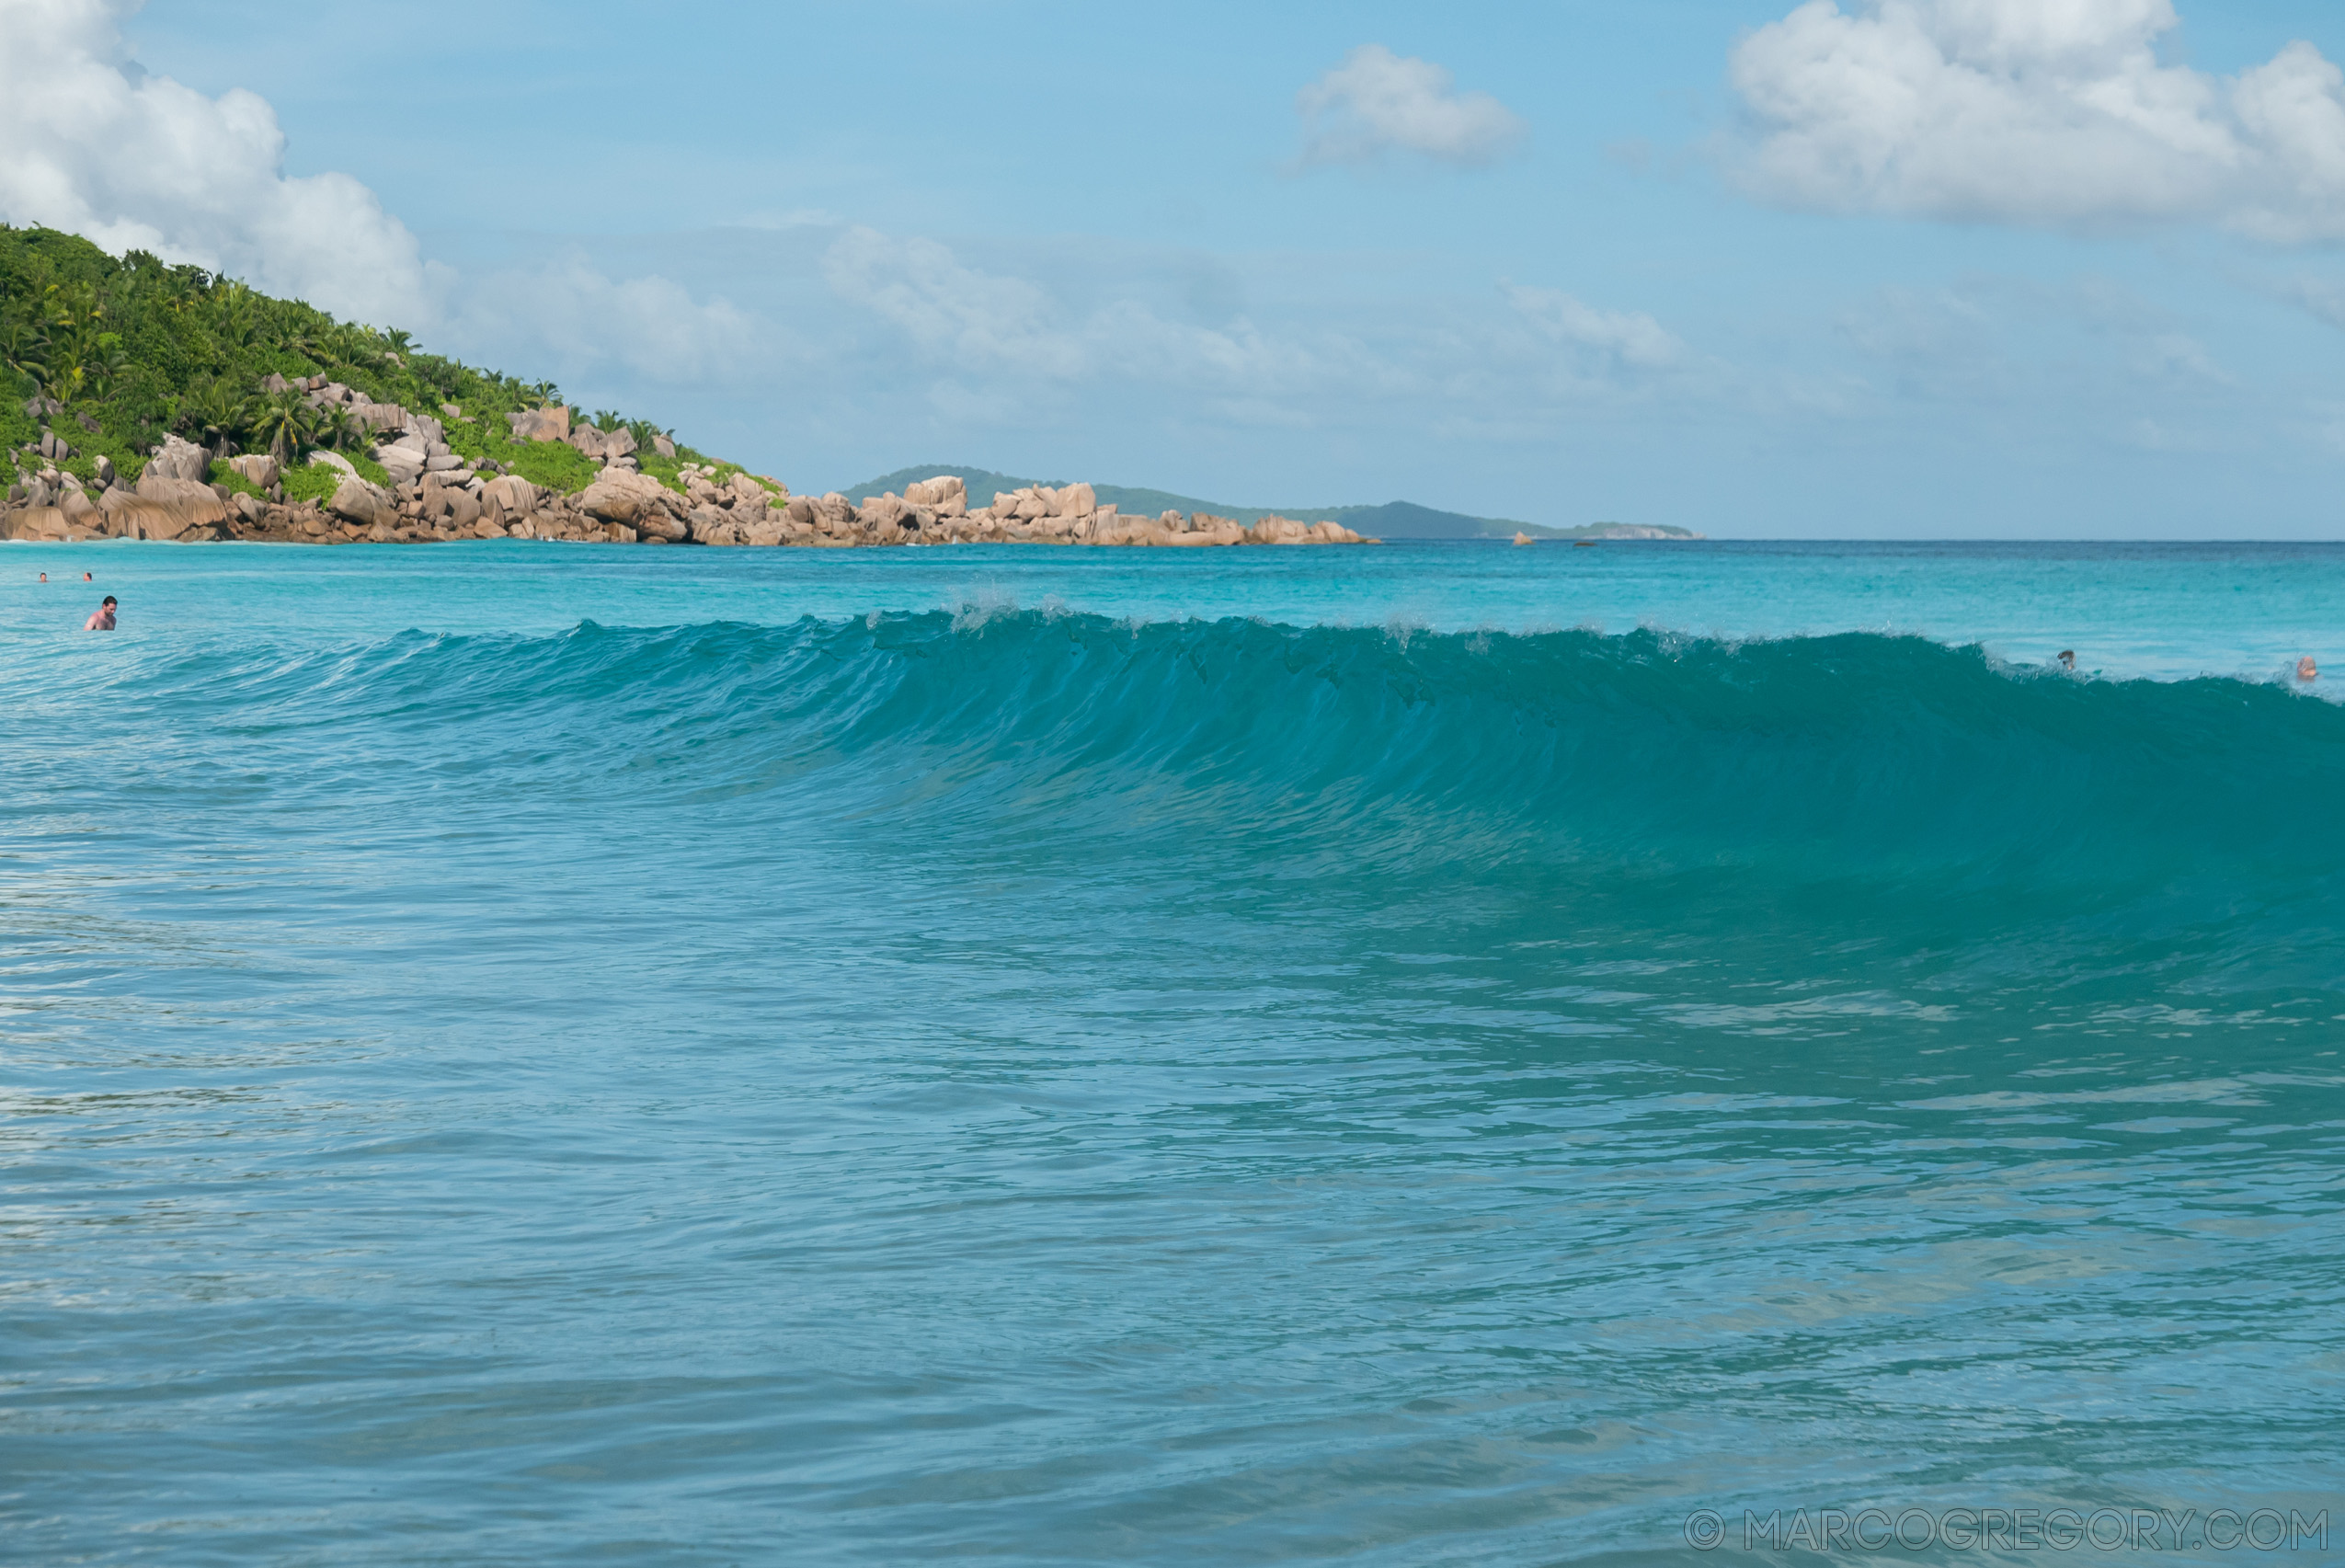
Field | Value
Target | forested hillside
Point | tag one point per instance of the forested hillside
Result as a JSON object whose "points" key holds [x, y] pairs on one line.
{"points": [[102, 357]]}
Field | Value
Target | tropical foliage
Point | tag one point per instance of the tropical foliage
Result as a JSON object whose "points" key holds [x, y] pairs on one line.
{"points": [[119, 353]]}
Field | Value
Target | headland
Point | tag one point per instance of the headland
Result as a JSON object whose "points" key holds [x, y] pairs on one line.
{"points": [[143, 400]]}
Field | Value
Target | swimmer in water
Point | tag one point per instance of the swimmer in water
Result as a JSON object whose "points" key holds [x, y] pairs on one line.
{"points": [[85, 577], [44, 577], [2307, 670], [2067, 658], [102, 618]]}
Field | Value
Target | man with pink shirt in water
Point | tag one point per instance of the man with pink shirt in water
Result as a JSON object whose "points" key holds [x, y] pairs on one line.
{"points": [[102, 618]]}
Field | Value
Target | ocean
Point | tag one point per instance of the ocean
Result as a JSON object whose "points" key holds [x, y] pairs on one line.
{"points": [[1436, 1054]]}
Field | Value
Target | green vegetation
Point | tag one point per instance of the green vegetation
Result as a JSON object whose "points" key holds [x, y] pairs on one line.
{"points": [[237, 484], [315, 482], [132, 350]]}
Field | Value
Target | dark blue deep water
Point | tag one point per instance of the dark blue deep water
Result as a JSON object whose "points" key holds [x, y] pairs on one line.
{"points": [[555, 1055]]}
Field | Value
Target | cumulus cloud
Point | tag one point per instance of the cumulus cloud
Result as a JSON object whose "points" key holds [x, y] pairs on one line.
{"points": [[2324, 297], [2047, 112], [992, 346], [1629, 340], [989, 324], [944, 306], [1377, 102], [91, 144], [650, 325]]}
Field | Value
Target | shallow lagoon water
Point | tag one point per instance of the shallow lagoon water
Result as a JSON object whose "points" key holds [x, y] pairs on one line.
{"points": [[545, 1054]]}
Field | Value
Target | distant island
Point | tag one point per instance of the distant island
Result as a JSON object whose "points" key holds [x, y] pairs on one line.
{"points": [[144, 400], [1393, 519]]}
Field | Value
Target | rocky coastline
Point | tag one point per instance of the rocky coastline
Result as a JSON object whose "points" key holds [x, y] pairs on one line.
{"points": [[434, 495]]}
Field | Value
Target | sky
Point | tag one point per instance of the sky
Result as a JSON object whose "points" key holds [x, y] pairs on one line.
{"points": [[1944, 269]]}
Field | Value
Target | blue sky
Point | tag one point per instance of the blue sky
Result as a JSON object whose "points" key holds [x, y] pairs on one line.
{"points": [[1673, 262]]}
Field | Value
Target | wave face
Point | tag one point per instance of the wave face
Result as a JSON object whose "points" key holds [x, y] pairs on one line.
{"points": [[1062, 1089], [1673, 782]]}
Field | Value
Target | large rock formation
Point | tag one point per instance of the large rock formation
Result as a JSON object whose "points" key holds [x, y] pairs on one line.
{"points": [[436, 495], [177, 459], [169, 508], [604, 446], [618, 496], [359, 502], [541, 425]]}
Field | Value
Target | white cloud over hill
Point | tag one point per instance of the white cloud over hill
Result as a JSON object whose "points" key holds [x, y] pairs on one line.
{"points": [[2056, 113], [92, 143]]}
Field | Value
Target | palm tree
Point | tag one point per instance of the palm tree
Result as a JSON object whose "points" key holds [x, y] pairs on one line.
{"points": [[213, 409], [66, 380], [104, 369], [24, 349], [289, 423], [327, 342], [182, 287], [77, 340], [233, 317], [356, 346], [342, 431]]}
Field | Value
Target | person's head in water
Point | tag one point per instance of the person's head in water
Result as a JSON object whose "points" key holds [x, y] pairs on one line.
{"points": [[44, 577], [102, 618], [85, 577], [2307, 670], [2067, 658]]}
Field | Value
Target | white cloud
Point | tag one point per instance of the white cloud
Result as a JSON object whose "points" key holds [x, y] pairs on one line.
{"points": [[995, 348], [2047, 112], [946, 307], [2324, 297], [988, 325], [587, 320], [2179, 357], [92, 145], [1631, 339], [1377, 102]]}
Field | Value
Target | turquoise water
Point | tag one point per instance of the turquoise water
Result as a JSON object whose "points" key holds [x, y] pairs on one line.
{"points": [[525, 1054]]}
